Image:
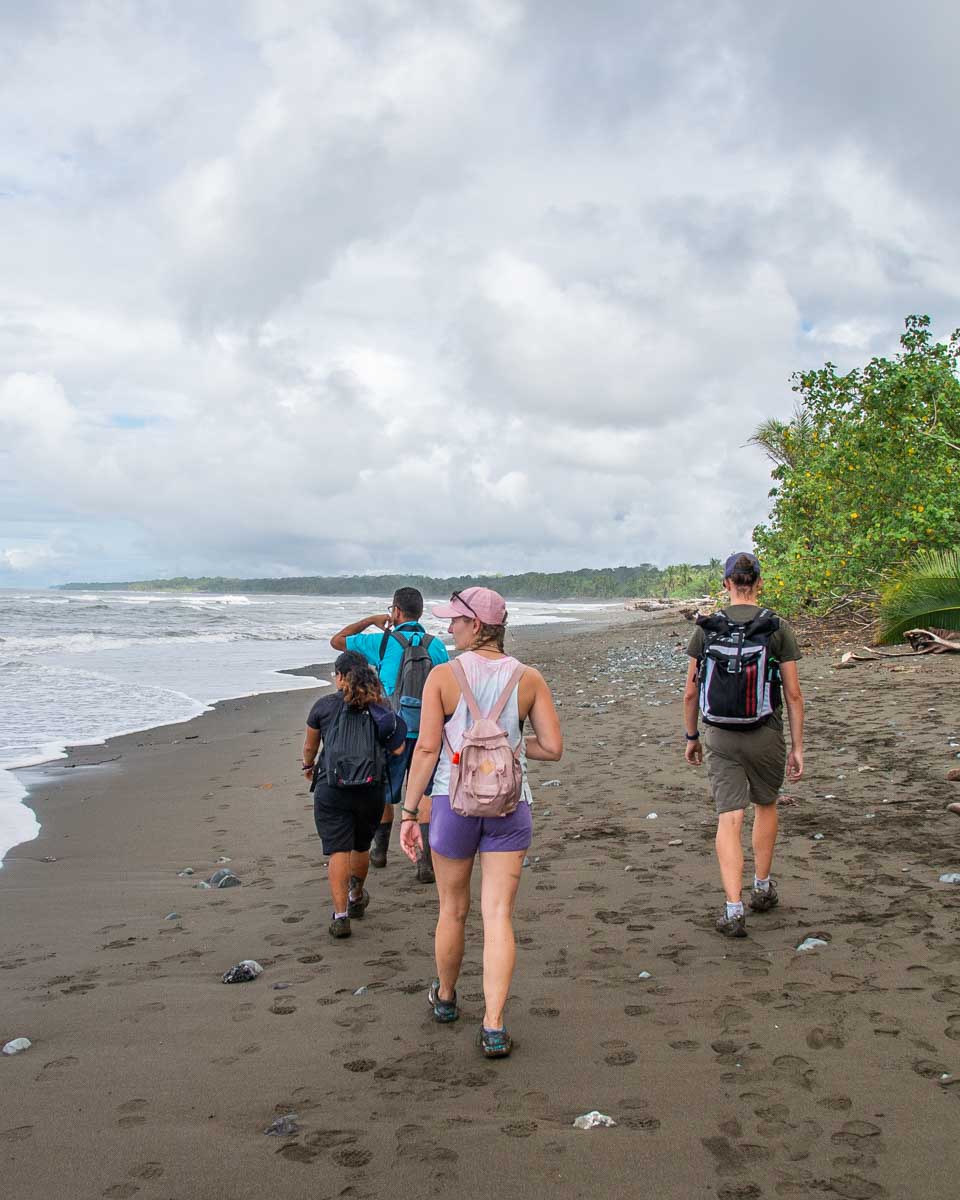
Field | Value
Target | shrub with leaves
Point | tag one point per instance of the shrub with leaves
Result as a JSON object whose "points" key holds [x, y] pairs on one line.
{"points": [[924, 595], [866, 474]]}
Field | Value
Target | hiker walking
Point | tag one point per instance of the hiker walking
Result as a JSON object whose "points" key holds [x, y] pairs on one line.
{"points": [[359, 731], [404, 654], [743, 664], [474, 710]]}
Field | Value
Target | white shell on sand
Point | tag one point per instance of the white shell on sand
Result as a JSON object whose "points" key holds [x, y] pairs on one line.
{"points": [[17, 1045], [593, 1120]]}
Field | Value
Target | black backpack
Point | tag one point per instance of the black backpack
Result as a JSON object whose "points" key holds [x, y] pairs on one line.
{"points": [[415, 665], [352, 753], [739, 679]]}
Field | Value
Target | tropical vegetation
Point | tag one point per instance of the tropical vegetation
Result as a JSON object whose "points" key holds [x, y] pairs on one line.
{"points": [[865, 474], [925, 595]]}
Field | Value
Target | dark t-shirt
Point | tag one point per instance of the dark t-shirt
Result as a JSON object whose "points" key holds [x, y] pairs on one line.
{"points": [[783, 644], [391, 729]]}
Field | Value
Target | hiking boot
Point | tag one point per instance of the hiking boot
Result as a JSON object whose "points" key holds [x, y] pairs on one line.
{"points": [[425, 869], [339, 927], [731, 926], [378, 848], [356, 908], [444, 1011], [494, 1043], [763, 901]]}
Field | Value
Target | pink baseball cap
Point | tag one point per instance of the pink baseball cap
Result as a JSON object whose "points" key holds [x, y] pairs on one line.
{"points": [[480, 603]]}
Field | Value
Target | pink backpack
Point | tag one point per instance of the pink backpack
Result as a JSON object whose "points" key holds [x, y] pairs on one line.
{"points": [[486, 777]]}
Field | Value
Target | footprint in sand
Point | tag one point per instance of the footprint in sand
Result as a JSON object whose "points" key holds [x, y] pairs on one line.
{"points": [[818, 1039], [739, 1191], [541, 1011], [147, 1170], [853, 1187], [133, 1113], [620, 1058], [952, 1030], [519, 1129], [19, 1133], [120, 1191], [353, 1156], [359, 1065], [734, 1158], [282, 1008], [836, 1103], [78, 989], [243, 1012]]}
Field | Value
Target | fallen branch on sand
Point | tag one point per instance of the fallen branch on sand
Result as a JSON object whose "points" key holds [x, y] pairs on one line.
{"points": [[933, 641]]}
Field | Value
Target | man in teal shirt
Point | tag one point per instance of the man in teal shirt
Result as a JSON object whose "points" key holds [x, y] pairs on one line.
{"points": [[385, 652]]}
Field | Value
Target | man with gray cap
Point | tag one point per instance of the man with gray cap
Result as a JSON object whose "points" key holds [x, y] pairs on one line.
{"points": [[743, 665]]}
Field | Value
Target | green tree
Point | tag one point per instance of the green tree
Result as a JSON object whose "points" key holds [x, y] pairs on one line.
{"points": [[924, 595], [866, 473]]}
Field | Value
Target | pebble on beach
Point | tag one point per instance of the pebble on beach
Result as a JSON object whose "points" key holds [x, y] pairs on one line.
{"points": [[243, 972], [594, 1120], [17, 1045], [223, 878]]}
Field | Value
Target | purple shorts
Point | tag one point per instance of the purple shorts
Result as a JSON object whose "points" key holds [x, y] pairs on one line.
{"points": [[456, 836]]}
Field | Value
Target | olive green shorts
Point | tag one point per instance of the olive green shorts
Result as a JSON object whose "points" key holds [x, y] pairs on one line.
{"points": [[744, 768]]}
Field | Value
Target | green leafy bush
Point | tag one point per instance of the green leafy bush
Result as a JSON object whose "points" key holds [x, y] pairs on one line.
{"points": [[866, 473], [925, 595]]}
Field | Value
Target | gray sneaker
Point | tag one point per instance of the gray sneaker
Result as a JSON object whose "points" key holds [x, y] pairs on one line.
{"points": [[339, 927], [763, 901], [731, 926]]}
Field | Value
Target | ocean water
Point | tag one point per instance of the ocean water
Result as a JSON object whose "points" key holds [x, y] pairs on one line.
{"points": [[79, 667]]}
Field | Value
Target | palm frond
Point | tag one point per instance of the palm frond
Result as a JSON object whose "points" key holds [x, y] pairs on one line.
{"points": [[925, 595]]}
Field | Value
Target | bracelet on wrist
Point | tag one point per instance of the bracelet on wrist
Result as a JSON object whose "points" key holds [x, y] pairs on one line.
{"points": [[692, 737], [407, 820], [412, 813]]}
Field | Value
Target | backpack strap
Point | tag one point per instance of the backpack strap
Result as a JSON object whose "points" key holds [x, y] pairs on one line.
{"points": [[461, 677], [385, 641], [497, 711]]}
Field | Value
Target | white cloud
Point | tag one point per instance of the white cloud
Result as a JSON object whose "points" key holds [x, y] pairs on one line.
{"points": [[286, 282]]}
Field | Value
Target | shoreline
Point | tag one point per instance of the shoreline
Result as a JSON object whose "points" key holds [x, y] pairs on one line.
{"points": [[41, 773], [731, 1068]]}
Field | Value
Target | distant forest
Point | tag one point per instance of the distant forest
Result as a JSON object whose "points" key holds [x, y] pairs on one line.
{"points": [[607, 583]]}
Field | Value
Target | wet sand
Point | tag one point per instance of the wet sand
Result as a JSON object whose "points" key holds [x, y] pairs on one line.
{"points": [[736, 1070]]}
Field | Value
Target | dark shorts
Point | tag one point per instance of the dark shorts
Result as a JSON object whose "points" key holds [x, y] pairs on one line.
{"points": [[744, 768], [456, 836], [347, 818]]}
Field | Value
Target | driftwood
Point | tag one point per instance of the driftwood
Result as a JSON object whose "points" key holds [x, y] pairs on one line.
{"points": [[933, 641]]}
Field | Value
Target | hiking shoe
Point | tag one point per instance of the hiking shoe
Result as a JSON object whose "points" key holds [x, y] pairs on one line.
{"points": [[425, 869], [339, 927], [356, 908], [763, 901], [731, 926], [494, 1043], [444, 1011], [378, 848]]}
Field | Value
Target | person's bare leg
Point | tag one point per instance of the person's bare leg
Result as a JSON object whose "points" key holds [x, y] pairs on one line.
{"points": [[453, 885], [498, 895], [338, 876], [765, 824], [730, 853], [359, 866]]}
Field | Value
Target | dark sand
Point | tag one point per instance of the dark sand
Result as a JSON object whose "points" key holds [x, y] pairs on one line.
{"points": [[739, 1069]]}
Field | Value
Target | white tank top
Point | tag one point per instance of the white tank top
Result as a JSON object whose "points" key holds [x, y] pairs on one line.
{"points": [[487, 678]]}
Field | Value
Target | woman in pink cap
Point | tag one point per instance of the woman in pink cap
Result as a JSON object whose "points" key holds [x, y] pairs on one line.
{"points": [[483, 682]]}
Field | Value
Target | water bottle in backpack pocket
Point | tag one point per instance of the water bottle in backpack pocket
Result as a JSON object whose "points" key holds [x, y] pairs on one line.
{"points": [[738, 678], [352, 753]]}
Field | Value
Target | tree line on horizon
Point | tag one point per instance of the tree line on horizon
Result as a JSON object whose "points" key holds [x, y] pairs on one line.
{"points": [[679, 580]]}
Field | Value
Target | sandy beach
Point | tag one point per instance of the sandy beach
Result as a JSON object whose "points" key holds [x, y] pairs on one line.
{"points": [[733, 1069]]}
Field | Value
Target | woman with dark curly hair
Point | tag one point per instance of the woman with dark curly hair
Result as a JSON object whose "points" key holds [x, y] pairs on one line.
{"points": [[357, 729]]}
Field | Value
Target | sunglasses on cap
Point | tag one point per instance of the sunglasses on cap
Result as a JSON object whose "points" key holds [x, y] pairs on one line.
{"points": [[465, 603]]}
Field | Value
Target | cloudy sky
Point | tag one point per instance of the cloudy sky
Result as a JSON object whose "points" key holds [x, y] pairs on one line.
{"points": [[326, 286]]}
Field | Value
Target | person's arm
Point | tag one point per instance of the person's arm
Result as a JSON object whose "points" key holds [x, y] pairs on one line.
{"points": [[425, 755], [547, 743], [339, 640], [793, 698], [691, 711], [311, 744]]}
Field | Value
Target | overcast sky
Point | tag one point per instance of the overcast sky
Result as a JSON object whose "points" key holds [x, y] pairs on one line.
{"points": [[336, 286]]}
